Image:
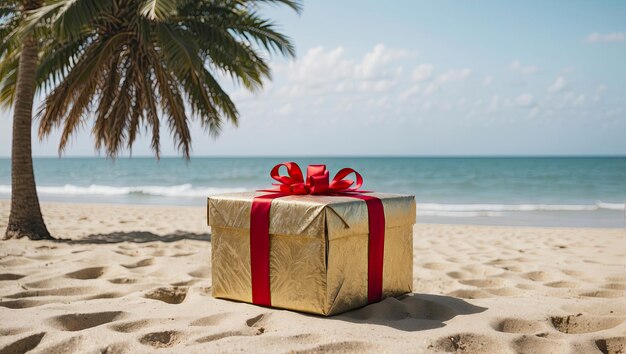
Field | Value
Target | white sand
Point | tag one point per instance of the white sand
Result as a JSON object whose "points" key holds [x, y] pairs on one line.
{"points": [[136, 278]]}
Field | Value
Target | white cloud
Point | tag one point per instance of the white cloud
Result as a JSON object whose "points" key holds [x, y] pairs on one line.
{"points": [[558, 84], [454, 75], [374, 64], [517, 66], [487, 80], [320, 65], [524, 100], [604, 38], [449, 76], [422, 72], [322, 71]]}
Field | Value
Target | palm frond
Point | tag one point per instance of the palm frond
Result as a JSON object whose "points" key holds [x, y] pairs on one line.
{"points": [[158, 9], [129, 64]]}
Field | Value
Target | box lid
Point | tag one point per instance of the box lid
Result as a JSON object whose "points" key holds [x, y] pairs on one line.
{"points": [[310, 215]]}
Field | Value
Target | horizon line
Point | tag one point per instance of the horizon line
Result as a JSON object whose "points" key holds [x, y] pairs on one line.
{"points": [[335, 156]]}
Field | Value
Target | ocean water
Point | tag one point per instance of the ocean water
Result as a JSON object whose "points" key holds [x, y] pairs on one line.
{"points": [[588, 192]]}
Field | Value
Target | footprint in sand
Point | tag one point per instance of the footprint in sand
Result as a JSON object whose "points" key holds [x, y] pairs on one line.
{"points": [[163, 339], [435, 266], [79, 321], [11, 331], [574, 273], [212, 320], [481, 270], [254, 326], [562, 284], [21, 303], [201, 273], [613, 345], [133, 326], [16, 262], [170, 295], [71, 345], [70, 291], [519, 325], [126, 253], [87, 273], [542, 276], [608, 294], [109, 295], [222, 335], [505, 291], [483, 283], [10, 276], [539, 344], [123, 281], [469, 343], [576, 324], [142, 263], [459, 275], [339, 347], [614, 286], [186, 282], [470, 294], [45, 283], [23, 345]]}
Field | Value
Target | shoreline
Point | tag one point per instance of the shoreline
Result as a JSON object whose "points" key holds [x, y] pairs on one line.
{"points": [[521, 219]]}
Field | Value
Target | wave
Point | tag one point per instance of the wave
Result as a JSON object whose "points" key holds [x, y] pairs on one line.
{"points": [[423, 209], [183, 190], [458, 214], [478, 210]]}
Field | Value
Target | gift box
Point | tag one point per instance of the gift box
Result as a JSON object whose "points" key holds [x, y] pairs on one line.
{"points": [[322, 253]]}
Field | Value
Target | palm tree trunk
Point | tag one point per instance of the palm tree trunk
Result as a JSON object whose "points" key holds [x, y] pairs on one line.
{"points": [[25, 218]]}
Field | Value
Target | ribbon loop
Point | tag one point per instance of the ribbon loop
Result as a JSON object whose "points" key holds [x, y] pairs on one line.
{"points": [[293, 182], [317, 180], [339, 184]]}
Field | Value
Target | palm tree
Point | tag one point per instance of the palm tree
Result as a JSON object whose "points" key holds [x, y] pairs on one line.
{"points": [[128, 64], [18, 68]]}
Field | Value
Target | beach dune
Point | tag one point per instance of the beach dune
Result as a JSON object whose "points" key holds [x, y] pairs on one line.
{"points": [[137, 278]]}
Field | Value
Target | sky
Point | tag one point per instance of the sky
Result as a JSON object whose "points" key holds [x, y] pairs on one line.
{"points": [[425, 79]]}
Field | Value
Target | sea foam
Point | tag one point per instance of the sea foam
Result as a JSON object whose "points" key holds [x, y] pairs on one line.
{"points": [[183, 190], [424, 209]]}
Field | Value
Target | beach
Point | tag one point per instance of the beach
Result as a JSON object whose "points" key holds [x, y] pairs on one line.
{"points": [[128, 278]]}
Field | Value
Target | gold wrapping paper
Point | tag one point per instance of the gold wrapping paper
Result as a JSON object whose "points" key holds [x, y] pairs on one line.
{"points": [[318, 250]]}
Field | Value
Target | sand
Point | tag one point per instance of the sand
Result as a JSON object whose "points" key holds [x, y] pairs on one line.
{"points": [[138, 278]]}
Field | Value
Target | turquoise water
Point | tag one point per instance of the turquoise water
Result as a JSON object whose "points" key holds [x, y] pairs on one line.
{"points": [[509, 191]]}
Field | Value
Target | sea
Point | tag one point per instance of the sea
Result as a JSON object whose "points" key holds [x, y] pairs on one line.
{"points": [[515, 191]]}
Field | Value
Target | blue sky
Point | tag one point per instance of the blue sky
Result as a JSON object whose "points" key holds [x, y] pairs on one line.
{"points": [[428, 78]]}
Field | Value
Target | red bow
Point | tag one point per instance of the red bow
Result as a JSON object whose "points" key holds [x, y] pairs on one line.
{"points": [[317, 180]]}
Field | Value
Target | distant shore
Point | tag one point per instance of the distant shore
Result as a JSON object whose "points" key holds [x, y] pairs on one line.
{"points": [[487, 214]]}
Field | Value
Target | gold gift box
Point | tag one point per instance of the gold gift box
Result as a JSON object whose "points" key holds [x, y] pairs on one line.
{"points": [[318, 250]]}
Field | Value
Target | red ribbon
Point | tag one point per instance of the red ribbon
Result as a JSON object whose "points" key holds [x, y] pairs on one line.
{"points": [[317, 183]]}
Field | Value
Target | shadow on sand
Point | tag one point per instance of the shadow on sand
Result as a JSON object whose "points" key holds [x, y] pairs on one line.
{"points": [[138, 237], [411, 312]]}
